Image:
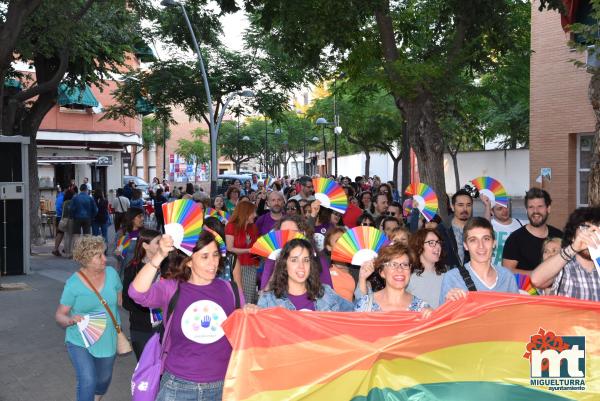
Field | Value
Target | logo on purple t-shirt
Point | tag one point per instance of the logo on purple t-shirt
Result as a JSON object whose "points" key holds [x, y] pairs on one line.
{"points": [[201, 322]]}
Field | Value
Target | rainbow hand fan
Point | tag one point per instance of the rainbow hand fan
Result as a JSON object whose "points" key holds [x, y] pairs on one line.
{"points": [[92, 327], [330, 194], [491, 188], [183, 222], [219, 240], [270, 244], [525, 285], [407, 207], [358, 245], [426, 198], [221, 215]]}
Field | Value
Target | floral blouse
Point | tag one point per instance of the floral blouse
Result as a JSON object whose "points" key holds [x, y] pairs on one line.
{"points": [[363, 304]]}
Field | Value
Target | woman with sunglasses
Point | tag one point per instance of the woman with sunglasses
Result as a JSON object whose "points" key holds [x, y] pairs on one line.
{"points": [[389, 280], [292, 208], [365, 219], [429, 268]]}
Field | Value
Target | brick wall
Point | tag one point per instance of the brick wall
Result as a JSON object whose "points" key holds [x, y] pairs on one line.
{"points": [[559, 111]]}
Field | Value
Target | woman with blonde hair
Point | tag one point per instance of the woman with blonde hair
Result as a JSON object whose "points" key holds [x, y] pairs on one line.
{"points": [[240, 234], [93, 362]]}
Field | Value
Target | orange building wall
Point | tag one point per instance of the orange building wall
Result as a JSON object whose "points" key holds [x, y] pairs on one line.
{"points": [[559, 110], [88, 122]]}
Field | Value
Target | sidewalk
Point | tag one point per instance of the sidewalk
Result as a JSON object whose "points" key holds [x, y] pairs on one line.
{"points": [[34, 365]]}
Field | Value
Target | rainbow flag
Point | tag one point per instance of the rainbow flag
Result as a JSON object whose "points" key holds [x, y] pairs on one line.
{"points": [[486, 347]]}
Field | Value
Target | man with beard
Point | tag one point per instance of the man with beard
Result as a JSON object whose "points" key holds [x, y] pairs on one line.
{"points": [[266, 222], [571, 273], [306, 190], [523, 248], [462, 205]]}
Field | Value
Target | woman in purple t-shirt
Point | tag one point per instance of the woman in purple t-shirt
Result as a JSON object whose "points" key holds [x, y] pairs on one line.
{"points": [[296, 284], [197, 351]]}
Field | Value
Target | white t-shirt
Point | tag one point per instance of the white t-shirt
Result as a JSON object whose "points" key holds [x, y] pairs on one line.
{"points": [[120, 204], [502, 232]]}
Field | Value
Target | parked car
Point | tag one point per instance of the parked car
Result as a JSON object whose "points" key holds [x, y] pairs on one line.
{"points": [[139, 184], [225, 180]]}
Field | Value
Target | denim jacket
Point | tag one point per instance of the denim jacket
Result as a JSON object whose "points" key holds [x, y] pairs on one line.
{"points": [[329, 302]]}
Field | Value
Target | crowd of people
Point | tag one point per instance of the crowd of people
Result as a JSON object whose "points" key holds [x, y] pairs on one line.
{"points": [[425, 264]]}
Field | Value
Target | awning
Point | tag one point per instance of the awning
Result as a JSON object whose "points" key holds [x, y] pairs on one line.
{"points": [[13, 83], [106, 137], [144, 107], [75, 96], [66, 160]]}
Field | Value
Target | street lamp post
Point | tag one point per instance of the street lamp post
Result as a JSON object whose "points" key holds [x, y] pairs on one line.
{"points": [[211, 119], [323, 122], [336, 131], [267, 133]]}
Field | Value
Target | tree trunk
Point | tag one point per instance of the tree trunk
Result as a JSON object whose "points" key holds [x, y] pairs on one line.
{"points": [[30, 125], [427, 141], [367, 161], [418, 111], [396, 164], [454, 156], [594, 176], [405, 160]]}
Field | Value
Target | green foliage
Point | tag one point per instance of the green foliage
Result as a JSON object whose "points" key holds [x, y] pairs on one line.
{"points": [[194, 150], [233, 146], [154, 132]]}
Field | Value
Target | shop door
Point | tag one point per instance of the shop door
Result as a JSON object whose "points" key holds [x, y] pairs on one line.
{"points": [[99, 178], [63, 174]]}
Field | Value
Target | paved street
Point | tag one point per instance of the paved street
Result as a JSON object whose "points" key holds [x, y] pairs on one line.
{"points": [[34, 365]]}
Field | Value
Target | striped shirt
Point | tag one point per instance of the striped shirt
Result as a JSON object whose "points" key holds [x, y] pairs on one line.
{"points": [[575, 282]]}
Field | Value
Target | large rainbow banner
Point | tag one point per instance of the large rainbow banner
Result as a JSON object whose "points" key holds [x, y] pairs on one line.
{"points": [[487, 347]]}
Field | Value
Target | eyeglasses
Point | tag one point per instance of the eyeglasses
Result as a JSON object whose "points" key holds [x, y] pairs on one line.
{"points": [[397, 266], [367, 224], [432, 243], [392, 214], [291, 208]]}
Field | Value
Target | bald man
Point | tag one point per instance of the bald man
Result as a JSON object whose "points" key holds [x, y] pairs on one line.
{"points": [[266, 222]]}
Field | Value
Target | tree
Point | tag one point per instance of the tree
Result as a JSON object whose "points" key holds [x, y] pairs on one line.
{"points": [[233, 145], [194, 151], [74, 41], [460, 122], [419, 47], [369, 119], [154, 132]]}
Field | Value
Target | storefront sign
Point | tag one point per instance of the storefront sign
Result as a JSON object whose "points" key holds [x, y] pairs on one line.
{"points": [[104, 161]]}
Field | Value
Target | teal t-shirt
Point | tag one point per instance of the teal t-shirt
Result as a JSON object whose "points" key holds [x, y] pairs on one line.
{"points": [[83, 301]]}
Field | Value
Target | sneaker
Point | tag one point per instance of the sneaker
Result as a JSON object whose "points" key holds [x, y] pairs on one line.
{"points": [[56, 253]]}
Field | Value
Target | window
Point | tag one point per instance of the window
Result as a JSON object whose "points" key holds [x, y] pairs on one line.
{"points": [[585, 149]]}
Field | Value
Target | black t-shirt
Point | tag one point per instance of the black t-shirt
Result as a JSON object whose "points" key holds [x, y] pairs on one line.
{"points": [[526, 248]]}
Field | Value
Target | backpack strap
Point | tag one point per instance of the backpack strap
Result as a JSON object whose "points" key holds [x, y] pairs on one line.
{"points": [[236, 294], [466, 277], [172, 303], [519, 221]]}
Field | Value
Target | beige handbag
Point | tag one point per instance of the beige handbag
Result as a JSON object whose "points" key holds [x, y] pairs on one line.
{"points": [[123, 344]]}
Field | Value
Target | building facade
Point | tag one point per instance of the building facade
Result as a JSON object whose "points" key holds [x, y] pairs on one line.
{"points": [[561, 118]]}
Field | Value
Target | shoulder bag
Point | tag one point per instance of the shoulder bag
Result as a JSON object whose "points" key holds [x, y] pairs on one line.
{"points": [[123, 344]]}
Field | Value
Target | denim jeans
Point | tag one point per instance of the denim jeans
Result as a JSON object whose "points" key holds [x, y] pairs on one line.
{"points": [[173, 388], [98, 229], [93, 374]]}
